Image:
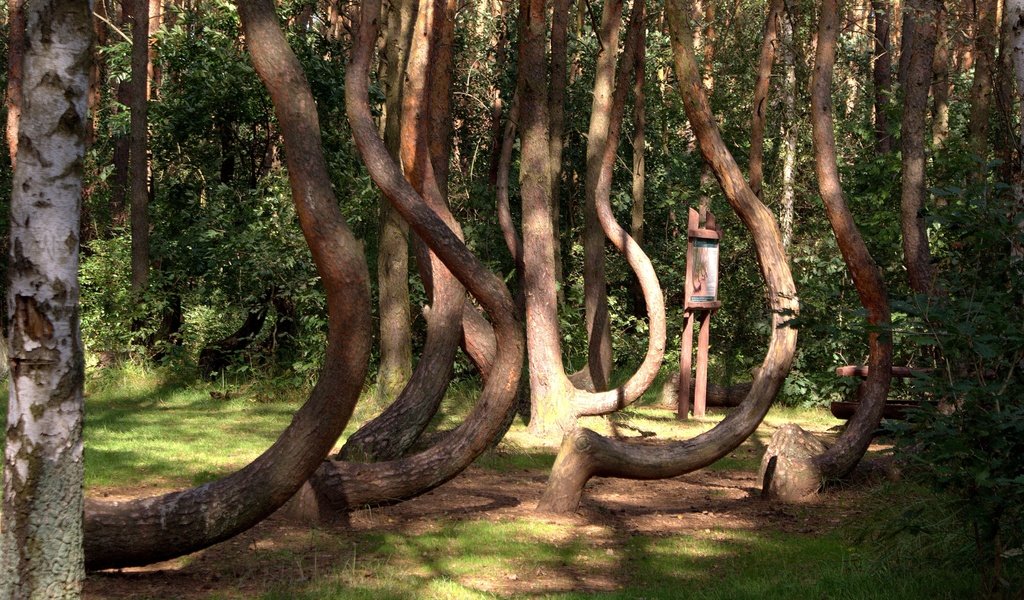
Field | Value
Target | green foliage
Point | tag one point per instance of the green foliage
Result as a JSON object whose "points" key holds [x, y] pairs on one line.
{"points": [[968, 442]]}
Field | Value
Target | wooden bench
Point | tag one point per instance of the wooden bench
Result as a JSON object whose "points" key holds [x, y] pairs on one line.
{"points": [[892, 410]]}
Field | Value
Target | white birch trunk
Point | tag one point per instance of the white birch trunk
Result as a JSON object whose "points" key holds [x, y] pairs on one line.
{"points": [[41, 543]]}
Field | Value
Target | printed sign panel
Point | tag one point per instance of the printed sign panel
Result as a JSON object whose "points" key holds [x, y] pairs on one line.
{"points": [[704, 282]]}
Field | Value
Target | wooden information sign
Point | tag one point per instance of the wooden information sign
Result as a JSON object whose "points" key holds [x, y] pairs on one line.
{"points": [[700, 297]]}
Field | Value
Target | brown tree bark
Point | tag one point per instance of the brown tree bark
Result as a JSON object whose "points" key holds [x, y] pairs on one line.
{"points": [[556, 115], [636, 225], [138, 159], [395, 366], [1015, 15], [339, 484], [595, 287], [849, 448], [150, 529], [120, 186], [986, 33], [584, 453], [41, 533], [923, 17], [394, 431], [881, 73], [769, 46], [556, 403], [942, 85]]}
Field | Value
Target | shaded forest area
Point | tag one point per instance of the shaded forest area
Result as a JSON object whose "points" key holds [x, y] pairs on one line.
{"points": [[353, 202]]}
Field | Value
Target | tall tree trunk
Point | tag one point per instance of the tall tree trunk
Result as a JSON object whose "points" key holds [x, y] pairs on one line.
{"points": [[550, 409], [1006, 149], [850, 446], [138, 161], [584, 453], [986, 32], [556, 115], [1015, 10], [393, 246], [146, 530], [790, 135], [881, 73], [599, 347], [942, 85], [120, 186], [15, 66], [499, 41], [769, 45], [636, 226], [41, 539], [98, 72], [923, 17]]}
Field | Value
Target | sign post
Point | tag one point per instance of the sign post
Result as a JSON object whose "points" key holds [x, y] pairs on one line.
{"points": [[700, 301]]}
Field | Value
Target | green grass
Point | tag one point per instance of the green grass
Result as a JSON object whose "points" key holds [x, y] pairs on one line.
{"points": [[477, 559], [144, 428]]}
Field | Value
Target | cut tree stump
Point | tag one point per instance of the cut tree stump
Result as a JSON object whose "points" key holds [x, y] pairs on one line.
{"points": [[788, 471]]}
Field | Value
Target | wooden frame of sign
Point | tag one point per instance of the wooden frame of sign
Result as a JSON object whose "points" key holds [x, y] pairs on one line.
{"points": [[700, 297]]}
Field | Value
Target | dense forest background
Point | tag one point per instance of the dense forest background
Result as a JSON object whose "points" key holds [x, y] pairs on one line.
{"points": [[225, 247]]}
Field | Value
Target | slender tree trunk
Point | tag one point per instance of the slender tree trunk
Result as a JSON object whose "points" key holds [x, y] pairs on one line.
{"points": [[594, 279], [550, 408], [790, 136], [98, 72], [120, 186], [154, 71], [138, 162], [881, 73], [41, 539], [636, 226], [769, 45], [556, 115], [499, 41], [941, 86], [1015, 10], [1006, 148], [923, 18], [393, 250], [986, 32], [15, 65]]}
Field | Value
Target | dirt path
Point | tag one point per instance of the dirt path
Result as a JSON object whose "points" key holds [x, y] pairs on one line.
{"points": [[279, 551]]}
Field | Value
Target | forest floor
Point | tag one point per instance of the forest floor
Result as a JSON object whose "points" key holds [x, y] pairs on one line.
{"points": [[703, 535]]}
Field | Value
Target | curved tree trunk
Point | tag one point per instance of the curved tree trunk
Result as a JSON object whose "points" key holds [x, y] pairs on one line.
{"points": [[584, 453], [769, 45], [41, 538], [142, 531], [341, 485], [556, 403], [922, 17], [395, 367], [851, 445], [394, 431], [595, 286]]}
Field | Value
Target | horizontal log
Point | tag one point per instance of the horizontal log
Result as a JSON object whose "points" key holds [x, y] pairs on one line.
{"points": [[892, 410], [863, 370]]}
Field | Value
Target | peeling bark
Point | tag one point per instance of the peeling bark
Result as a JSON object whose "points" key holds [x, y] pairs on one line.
{"points": [[41, 539]]}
